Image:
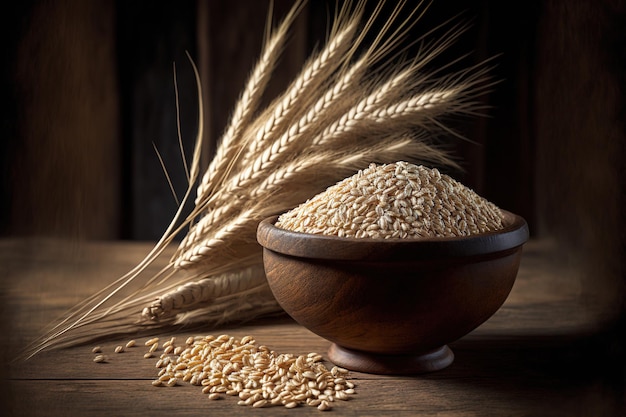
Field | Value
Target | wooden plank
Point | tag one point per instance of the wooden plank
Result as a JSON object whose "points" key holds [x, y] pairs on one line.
{"points": [[386, 397], [537, 356], [61, 169]]}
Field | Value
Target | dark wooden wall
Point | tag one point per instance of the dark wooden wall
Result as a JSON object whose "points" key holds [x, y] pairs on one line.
{"points": [[60, 145], [88, 89]]}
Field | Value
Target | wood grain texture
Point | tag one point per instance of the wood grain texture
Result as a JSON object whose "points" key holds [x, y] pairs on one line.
{"points": [[579, 106], [64, 166], [544, 353]]}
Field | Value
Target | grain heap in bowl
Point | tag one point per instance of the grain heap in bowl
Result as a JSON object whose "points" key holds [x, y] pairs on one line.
{"points": [[398, 200]]}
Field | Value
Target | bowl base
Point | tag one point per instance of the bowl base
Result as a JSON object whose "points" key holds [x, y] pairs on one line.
{"points": [[373, 363]]}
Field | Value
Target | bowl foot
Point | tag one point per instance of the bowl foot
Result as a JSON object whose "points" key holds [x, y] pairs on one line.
{"points": [[373, 363]]}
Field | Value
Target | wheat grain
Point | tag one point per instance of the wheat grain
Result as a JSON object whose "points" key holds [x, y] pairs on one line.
{"points": [[399, 200], [151, 342], [257, 375], [240, 307], [363, 119], [99, 358], [429, 104]]}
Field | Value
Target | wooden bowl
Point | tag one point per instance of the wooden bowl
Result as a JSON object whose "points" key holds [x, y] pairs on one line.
{"points": [[391, 306]]}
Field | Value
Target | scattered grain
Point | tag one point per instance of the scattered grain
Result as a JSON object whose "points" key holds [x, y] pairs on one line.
{"points": [[152, 341], [96, 349], [131, 343], [257, 375], [119, 349], [100, 359]]}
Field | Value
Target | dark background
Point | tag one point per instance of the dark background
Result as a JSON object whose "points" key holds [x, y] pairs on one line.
{"points": [[87, 88]]}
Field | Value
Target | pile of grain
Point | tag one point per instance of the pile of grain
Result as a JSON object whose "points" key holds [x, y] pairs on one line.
{"points": [[257, 375], [260, 377], [399, 200]]}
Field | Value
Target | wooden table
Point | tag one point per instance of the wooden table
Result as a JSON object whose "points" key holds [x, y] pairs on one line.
{"points": [[545, 353]]}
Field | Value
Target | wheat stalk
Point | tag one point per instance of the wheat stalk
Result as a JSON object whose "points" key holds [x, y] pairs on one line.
{"points": [[352, 104]]}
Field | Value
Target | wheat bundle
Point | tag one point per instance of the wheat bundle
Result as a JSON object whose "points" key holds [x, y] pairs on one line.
{"points": [[354, 103]]}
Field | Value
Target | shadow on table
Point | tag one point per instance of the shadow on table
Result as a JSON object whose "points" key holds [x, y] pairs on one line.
{"points": [[586, 372]]}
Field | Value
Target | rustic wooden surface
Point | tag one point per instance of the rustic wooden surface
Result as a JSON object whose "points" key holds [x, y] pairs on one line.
{"points": [[542, 354]]}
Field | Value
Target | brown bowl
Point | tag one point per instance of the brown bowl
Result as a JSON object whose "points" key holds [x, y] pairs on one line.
{"points": [[391, 306]]}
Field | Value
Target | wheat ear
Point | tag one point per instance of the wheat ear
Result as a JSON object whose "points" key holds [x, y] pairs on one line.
{"points": [[333, 102], [213, 242], [338, 52], [327, 166], [198, 294], [236, 308], [313, 75], [246, 105]]}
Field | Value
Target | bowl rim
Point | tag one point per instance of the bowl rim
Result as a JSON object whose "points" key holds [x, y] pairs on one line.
{"points": [[316, 246]]}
